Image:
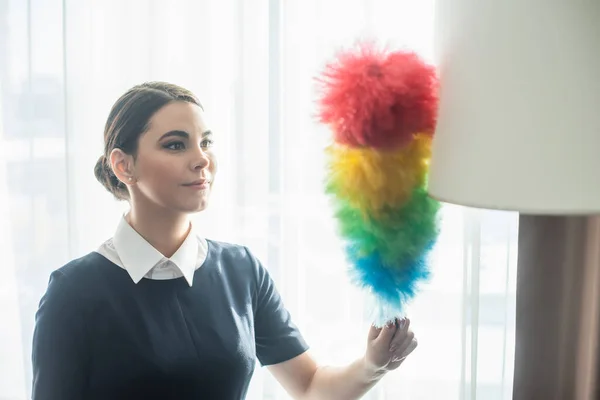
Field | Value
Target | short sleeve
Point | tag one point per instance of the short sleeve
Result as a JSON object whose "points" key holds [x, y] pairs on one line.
{"points": [[59, 353], [277, 337]]}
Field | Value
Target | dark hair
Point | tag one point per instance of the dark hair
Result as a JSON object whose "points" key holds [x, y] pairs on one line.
{"points": [[128, 120]]}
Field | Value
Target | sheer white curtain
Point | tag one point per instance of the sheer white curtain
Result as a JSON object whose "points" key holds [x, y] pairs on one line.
{"points": [[64, 62]]}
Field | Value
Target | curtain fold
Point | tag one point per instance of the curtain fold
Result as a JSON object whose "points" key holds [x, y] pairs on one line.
{"points": [[558, 304], [252, 63]]}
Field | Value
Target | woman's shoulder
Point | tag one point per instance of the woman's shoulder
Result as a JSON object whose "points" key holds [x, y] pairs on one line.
{"points": [[80, 267], [82, 272], [227, 250], [232, 256]]}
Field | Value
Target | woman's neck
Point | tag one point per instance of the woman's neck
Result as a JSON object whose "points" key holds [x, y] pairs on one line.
{"points": [[164, 230]]}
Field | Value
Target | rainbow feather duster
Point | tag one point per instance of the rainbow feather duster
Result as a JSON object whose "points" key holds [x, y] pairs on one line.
{"points": [[381, 107]]}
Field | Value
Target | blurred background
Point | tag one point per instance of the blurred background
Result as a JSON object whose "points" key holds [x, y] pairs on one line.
{"points": [[64, 62]]}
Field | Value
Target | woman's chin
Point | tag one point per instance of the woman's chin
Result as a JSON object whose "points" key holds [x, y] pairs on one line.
{"points": [[195, 208]]}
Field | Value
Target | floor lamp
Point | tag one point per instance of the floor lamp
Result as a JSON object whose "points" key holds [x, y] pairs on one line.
{"points": [[519, 129]]}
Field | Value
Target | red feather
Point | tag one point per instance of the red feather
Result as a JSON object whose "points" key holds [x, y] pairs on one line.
{"points": [[377, 98]]}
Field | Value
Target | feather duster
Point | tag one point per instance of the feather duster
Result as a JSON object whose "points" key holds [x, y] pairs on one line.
{"points": [[381, 108]]}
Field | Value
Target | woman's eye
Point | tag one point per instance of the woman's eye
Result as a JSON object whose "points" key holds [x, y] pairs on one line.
{"points": [[175, 146], [207, 143]]}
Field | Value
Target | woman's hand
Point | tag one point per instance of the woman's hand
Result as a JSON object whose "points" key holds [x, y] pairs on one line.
{"points": [[386, 350], [389, 346]]}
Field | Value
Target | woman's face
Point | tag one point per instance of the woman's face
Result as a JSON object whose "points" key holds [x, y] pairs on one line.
{"points": [[175, 165]]}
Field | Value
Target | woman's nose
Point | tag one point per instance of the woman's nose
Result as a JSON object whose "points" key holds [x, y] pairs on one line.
{"points": [[201, 159]]}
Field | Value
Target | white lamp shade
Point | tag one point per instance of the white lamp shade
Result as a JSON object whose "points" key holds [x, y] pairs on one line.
{"points": [[519, 117]]}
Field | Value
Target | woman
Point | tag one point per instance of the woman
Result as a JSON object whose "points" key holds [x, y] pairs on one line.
{"points": [[160, 313]]}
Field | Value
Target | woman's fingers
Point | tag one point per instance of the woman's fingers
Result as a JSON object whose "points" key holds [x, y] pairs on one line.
{"points": [[407, 347], [398, 359], [411, 347], [401, 347], [403, 352], [386, 335], [374, 332], [400, 336]]}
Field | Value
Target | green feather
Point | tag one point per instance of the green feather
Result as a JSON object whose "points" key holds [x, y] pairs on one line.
{"points": [[398, 235]]}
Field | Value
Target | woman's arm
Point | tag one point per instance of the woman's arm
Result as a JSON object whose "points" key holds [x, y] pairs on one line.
{"points": [[59, 351], [386, 350]]}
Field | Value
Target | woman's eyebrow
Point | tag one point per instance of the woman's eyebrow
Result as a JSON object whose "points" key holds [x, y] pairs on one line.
{"points": [[183, 134]]}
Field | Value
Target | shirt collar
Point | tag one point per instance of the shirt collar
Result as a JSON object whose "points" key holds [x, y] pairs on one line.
{"points": [[139, 257]]}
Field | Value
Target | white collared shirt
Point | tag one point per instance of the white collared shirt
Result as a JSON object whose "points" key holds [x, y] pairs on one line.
{"points": [[130, 251]]}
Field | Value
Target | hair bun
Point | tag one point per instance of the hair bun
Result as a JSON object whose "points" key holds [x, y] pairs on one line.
{"points": [[100, 169], [105, 175]]}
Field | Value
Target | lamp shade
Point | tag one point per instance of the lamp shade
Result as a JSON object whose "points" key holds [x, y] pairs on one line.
{"points": [[519, 117]]}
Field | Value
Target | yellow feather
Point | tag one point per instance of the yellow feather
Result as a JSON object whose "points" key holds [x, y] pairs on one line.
{"points": [[373, 180]]}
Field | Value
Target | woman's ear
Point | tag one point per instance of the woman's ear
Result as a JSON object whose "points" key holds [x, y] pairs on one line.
{"points": [[122, 166]]}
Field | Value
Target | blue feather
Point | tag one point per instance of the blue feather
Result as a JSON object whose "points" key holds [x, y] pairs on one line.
{"points": [[390, 287]]}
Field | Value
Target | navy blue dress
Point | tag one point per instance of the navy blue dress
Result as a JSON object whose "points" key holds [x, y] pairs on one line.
{"points": [[99, 335]]}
